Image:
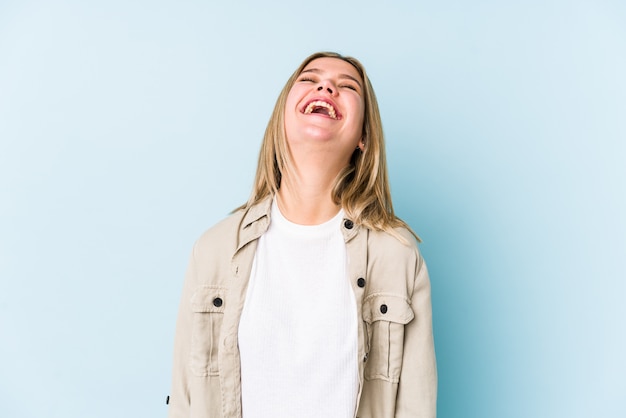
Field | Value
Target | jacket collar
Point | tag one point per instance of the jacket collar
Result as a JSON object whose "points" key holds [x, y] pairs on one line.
{"points": [[256, 220]]}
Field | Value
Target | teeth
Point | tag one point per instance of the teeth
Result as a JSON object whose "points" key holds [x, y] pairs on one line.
{"points": [[331, 110]]}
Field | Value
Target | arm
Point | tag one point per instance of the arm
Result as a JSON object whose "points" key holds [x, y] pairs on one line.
{"points": [[417, 389], [179, 404]]}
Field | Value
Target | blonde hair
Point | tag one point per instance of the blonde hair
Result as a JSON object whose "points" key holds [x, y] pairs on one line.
{"points": [[362, 187]]}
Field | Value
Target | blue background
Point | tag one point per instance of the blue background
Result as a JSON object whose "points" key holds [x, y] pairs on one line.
{"points": [[129, 127]]}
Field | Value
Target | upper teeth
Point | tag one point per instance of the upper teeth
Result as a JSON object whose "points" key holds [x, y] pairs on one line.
{"points": [[319, 103]]}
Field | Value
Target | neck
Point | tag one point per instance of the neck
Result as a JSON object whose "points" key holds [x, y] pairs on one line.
{"points": [[304, 196]]}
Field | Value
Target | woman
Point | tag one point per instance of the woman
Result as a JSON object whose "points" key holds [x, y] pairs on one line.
{"points": [[312, 298]]}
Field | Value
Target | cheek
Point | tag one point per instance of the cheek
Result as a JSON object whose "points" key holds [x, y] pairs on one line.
{"points": [[294, 95], [290, 125], [361, 112], [289, 105]]}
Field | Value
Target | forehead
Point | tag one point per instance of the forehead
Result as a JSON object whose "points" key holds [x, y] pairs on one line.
{"points": [[332, 65]]}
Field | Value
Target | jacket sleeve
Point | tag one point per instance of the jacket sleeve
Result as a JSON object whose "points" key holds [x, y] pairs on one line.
{"points": [[180, 400], [417, 389]]}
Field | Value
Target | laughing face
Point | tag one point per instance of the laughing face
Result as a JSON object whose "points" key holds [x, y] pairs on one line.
{"points": [[325, 108]]}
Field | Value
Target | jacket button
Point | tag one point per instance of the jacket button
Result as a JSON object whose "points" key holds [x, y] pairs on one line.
{"points": [[383, 308], [217, 302], [360, 282], [348, 224]]}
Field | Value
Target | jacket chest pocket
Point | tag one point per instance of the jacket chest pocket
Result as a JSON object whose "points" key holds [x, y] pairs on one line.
{"points": [[207, 305], [385, 317]]}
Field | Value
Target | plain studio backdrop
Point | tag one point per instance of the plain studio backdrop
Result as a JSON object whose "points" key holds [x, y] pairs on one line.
{"points": [[129, 127]]}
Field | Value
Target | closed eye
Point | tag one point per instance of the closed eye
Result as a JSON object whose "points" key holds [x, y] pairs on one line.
{"points": [[349, 86], [309, 79]]}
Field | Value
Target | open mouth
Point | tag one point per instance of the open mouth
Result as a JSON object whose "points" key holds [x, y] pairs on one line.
{"points": [[321, 107]]}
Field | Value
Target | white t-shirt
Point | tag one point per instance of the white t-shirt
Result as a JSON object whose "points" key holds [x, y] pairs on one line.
{"points": [[298, 328]]}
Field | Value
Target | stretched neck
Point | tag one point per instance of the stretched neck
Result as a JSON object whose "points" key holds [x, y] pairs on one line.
{"points": [[304, 196]]}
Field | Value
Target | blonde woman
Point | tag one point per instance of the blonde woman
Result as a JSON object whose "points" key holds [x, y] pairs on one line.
{"points": [[311, 300]]}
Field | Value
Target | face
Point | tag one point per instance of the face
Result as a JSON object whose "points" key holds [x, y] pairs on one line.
{"points": [[325, 108]]}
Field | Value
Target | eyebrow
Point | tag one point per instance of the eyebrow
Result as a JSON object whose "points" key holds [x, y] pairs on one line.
{"points": [[348, 76]]}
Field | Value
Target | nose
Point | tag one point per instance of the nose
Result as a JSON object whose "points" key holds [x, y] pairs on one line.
{"points": [[320, 88], [326, 85]]}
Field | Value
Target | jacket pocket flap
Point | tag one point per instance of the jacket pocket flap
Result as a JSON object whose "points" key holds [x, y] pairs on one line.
{"points": [[392, 308], [208, 299]]}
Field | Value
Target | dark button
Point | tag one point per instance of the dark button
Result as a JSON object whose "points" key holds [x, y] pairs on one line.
{"points": [[217, 302], [360, 282], [167, 400], [348, 224], [383, 308]]}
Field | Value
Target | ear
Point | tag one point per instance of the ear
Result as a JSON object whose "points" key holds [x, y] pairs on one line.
{"points": [[361, 145]]}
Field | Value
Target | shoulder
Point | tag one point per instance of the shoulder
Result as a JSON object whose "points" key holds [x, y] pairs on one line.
{"points": [[239, 227], [395, 264], [399, 245], [223, 231]]}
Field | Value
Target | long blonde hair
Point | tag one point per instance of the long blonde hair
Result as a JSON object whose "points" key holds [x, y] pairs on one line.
{"points": [[362, 187]]}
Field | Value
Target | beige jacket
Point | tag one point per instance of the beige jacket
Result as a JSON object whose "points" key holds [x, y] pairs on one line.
{"points": [[397, 371]]}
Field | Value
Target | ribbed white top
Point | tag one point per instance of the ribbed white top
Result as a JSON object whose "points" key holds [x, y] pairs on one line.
{"points": [[298, 329]]}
